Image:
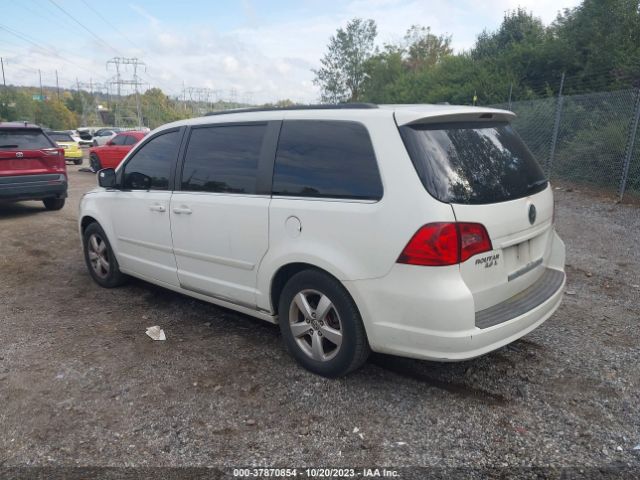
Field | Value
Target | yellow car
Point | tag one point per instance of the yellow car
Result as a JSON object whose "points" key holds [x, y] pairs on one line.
{"points": [[72, 150]]}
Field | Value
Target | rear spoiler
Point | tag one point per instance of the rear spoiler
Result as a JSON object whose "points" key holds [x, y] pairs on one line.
{"points": [[409, 116]]}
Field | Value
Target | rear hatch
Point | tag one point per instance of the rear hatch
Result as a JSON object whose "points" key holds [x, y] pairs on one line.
{"points": [[28, 151], [65, 141], [482, 169]]}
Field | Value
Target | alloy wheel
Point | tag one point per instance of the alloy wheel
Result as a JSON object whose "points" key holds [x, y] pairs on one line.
{"points": [[315, 325], [98, 255]]}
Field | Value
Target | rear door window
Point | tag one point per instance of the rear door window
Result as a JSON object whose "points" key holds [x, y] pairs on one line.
{"points": [[318, 158], [472, 163], [150, 166], [23, 139], [130, 140], [223, 159]]}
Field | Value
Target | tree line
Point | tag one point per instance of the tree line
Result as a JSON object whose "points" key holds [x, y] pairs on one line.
{"points": [[69, 109], [596, 45]]}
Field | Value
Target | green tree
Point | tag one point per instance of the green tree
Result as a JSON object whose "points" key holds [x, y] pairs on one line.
{"points": [[424, 49], [16, 104], [158, 109], [600, 38], [54, 114], [343, 73], [383, 71]]}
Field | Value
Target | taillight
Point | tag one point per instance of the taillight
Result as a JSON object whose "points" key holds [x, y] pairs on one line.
{"points": [[445, 243], [474, 239], [53, 152]]}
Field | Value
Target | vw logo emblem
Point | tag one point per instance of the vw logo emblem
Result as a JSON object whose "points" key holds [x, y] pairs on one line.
{"points": [[19, 154], [532, 214]]}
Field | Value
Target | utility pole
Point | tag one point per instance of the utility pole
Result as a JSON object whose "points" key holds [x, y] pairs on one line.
{"points": [[510, 92], [41, 91], [57, 86], [4, 82]]}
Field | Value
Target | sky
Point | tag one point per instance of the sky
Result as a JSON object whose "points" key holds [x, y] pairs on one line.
{"points": [[252, 51]]}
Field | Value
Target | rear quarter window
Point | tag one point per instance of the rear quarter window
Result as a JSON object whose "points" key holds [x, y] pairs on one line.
{"points": [[24, 139], [473, 162], [327, 159]]}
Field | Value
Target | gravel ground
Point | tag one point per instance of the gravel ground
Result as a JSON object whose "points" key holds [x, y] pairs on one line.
{"points": [[82, 385]]}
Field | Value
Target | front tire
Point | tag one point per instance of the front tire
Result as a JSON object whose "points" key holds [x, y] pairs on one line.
{"points": [[53, 203], [100, 259], [77, 161], [94, 162], [321, 326]]}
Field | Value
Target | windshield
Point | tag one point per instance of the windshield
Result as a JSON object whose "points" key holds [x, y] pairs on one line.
{"points": [[61, 137], [472, 163], [23, 139]]}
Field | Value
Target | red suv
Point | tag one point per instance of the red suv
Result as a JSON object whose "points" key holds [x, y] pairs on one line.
{"points": [[111, 154], [32, 166]]}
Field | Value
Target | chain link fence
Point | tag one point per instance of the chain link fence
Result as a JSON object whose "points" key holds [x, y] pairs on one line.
{"points": [[589, 139]]}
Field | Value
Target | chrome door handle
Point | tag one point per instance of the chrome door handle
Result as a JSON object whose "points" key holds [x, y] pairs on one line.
{"points": [[181, 210], [157, 208]]}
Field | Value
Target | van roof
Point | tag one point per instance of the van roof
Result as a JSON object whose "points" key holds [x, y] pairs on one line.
{"points": [[404, 114]]}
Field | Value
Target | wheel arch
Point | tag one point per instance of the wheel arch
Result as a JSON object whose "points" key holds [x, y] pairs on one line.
{"points": [[86, 221], [285, 272]]}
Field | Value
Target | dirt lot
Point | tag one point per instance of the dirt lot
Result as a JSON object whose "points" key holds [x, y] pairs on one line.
{"points": [[81, 383]]}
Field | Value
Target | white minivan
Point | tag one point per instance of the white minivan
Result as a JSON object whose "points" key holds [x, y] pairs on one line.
{"points": [[417, 230]]}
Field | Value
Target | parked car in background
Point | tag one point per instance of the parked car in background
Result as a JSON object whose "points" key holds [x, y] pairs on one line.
{"points": [[111, 154], [72, 150], [102, 136], [32, 166], [420, 230], [86, 135]]}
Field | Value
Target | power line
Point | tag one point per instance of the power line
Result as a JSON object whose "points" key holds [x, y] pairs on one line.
{"points": [[83, 26], [40, 46], [109, 23]]}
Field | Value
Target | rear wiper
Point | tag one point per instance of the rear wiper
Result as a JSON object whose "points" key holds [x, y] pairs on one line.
{"points": [[537, 183], [8, 146]]}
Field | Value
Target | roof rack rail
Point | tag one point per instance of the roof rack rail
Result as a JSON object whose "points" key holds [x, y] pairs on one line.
{"points": [[323, 106]]}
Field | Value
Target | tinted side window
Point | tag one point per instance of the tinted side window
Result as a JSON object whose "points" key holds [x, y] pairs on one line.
{"points": [[118, 140], [223, 159], [150, 167], [317, 158], [130, 140]]}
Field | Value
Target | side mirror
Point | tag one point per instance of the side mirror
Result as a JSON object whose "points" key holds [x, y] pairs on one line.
{"points": [[107, 178], [109, 143]]}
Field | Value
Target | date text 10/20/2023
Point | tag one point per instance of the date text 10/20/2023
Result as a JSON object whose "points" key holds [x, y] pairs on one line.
{"points": [[314, 473]]}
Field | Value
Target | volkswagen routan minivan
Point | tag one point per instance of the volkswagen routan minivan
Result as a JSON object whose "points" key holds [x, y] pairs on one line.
{"points": [[417, 230]]}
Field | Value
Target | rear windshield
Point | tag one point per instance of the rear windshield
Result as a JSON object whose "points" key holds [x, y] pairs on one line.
{"points": [[23, 139], [61, 137], [472, 163]]}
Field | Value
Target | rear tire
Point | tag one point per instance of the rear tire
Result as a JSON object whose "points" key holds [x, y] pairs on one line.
{"points": [[77, 161], [53, 203], [100, 259], [321, 326], [94, 162]]}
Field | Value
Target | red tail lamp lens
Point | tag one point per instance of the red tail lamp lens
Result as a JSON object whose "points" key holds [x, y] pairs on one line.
{"points": [[474, 239], [445, 243]]}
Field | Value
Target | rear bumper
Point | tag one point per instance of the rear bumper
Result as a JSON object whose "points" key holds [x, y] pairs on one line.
{"points": [[72, 155], [433, 316], [33, 187]]}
